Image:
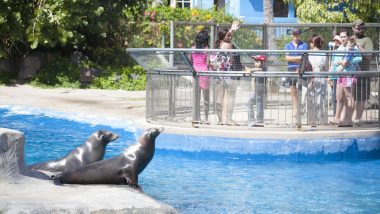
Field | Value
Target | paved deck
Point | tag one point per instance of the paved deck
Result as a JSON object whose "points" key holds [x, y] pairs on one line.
{"points": [[130, 105]]}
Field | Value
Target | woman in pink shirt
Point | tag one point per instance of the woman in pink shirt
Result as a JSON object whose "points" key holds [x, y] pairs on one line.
{"points": [[201, 63]]}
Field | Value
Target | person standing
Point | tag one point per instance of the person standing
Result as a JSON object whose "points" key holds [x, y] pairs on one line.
{"points": [[257, 98], [200, 62], [317, 87], [225, 86], [294, 62], [335, 44], [362, 88], [346, 63]]}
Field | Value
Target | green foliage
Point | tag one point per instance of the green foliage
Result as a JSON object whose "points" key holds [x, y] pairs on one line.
{"points": [[58, 73], [156, 24], [253, 42], [82, 25], [7, 78], [61, 73], [125, 78], [337, 11]]}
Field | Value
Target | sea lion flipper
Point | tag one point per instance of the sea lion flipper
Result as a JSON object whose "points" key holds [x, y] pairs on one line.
{"points": [[133, 184], [131, 178], [57, 181]]}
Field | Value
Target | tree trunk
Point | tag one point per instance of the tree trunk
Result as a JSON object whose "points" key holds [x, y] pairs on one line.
{"points": [[268, 18]]}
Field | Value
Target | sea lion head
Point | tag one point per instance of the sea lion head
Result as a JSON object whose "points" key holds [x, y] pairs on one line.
{"points": [[152, 133], [106, 136]]}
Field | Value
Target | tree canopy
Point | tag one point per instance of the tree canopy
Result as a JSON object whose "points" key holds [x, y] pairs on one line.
{"points": [[325, 11], [81, 24]]}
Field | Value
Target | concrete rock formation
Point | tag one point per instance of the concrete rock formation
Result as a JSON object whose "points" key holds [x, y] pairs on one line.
{"points": [[11, 154], [22, 192]]}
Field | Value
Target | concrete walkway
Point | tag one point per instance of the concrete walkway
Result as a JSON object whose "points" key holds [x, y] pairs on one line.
{"points": [[130, 105]]}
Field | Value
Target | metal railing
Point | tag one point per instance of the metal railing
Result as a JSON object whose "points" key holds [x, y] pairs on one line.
{"points": [[271, 36], [173, 93]]}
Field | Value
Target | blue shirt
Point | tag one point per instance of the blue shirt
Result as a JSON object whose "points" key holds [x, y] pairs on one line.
{"points": [[353, 58], [290, 46]]}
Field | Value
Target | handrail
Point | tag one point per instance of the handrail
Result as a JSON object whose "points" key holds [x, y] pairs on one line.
{"points": [[174, 92], [187, 50]]}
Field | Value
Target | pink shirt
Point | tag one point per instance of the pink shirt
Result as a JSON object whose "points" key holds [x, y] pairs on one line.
{"points": [[200, 64]]}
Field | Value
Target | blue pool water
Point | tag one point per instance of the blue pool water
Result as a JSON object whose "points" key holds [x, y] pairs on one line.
{"points": [[211, 182]]}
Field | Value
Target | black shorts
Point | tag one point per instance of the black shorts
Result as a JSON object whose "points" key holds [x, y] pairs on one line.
{"points": [[362, 89], [290, 81]]}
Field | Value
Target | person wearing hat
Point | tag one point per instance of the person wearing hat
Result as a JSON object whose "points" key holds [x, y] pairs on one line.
{"points": [[333, 67], [257, 97], [362, 88], [345, 62], [294, 62]]}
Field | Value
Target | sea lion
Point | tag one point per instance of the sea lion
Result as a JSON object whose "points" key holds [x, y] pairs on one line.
{"points": [[90, 151], [122, 169]]}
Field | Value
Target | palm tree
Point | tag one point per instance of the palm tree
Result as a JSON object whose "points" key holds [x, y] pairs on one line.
{"points": [[268, 18]]}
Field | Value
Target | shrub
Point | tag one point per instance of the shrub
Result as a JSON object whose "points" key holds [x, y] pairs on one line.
{"points": [[7, 78], [58, 73], [125, 78]]}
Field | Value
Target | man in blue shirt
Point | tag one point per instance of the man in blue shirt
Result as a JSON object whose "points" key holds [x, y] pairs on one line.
{"points": [[294, 62]]}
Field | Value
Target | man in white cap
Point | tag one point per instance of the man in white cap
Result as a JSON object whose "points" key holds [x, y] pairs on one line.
{"points": [[362, 88]]}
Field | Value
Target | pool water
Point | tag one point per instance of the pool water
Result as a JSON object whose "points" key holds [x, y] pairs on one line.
{"points": [[204, 182]]}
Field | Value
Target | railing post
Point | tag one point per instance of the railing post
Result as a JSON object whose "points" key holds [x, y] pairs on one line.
{"points": [[265, 36], [148, 94], [171, 97], [171, 77], [212, 36], [172, 32], [378, 100], [163, 40]]}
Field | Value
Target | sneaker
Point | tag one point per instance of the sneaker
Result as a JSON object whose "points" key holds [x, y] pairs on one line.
{"points": [[357, 122], [232, 123]]}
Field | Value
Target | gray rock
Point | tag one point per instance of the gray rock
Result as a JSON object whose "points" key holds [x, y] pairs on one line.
{"points": [[3, 144], [30, 65], [87, 75], [77, 57], [7, 66], [12, 164]]}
